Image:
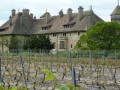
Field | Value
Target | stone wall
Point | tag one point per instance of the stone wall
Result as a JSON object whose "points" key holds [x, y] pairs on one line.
{"points": [[71, 38]]}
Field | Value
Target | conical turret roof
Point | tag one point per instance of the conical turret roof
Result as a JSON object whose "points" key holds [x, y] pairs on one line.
{"points": [[116, 11]]}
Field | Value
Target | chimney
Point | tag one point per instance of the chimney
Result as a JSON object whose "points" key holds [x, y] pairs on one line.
{"points": [[31, 15], [13, 12], [69, 14], [34, 17], [10, 20], [47, 17], [60, 13], [80, 12], [25, 12]]}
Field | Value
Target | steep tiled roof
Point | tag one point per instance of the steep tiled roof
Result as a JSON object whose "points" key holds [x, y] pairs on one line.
{"points": [[15, 27], [116, 11], [56, 24]]}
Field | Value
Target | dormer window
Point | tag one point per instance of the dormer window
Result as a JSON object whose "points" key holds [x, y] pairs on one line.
{"points": [[69, 25], [54, 34], [46, 27], [3, 29]]}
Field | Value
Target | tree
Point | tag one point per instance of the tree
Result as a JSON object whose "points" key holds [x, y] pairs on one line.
{"points": [[38, 42], [82, 44], [13, 45], [103, 36]]}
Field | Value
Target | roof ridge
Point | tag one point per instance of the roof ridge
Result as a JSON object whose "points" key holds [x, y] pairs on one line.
{"points": [[17, 16]]}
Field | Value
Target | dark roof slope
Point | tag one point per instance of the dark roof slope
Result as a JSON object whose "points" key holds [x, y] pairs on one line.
{"points": [[56, 24], [16, 27]]}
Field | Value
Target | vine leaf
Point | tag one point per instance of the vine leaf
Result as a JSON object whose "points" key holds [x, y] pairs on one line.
{"points": [[46, 71], [49, 77]]}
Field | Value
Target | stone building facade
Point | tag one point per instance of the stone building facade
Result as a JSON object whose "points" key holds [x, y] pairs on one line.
{"points": [[115, 15], [64, 30]]}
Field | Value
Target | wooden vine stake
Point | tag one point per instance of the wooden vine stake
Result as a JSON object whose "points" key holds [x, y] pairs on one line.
{"points": [[74, 77]]}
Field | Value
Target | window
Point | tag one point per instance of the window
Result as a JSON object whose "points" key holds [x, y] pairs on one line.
{"points": [[43, 28], [54, 44], [64, 34], [3, 29], [46, 27], [54, 35], [71, 45], [69, 25], [63, 45]]}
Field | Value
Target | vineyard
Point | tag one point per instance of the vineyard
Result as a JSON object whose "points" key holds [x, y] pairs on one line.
{"points": [[94, 70]]}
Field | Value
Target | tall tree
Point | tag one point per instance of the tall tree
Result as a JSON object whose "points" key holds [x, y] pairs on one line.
{"points": [[82, 43], [103, 35], [13, 43], [38, 42]]}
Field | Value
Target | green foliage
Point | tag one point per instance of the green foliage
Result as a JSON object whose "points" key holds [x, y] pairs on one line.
{"points": [[82, 43], [49, 75], [102, 35], [46, 71], [63, 53], [14, 43], [2, 87], [24, 88], [38, 42], [13, 88], [65, 87]]}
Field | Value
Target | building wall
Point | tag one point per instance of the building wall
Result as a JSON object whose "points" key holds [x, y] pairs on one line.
{"points": [[70, 39], [115, 18]]}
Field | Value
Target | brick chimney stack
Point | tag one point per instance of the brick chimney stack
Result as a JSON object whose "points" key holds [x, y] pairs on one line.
{"points": [[13, 12], [69, 12], [80, 12], [25, 12]]}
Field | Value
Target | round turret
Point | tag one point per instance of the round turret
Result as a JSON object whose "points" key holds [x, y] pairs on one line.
{"points": [[115, 15]]}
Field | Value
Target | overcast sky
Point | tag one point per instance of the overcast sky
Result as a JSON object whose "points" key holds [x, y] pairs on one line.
{"points": [[103, 8]]}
